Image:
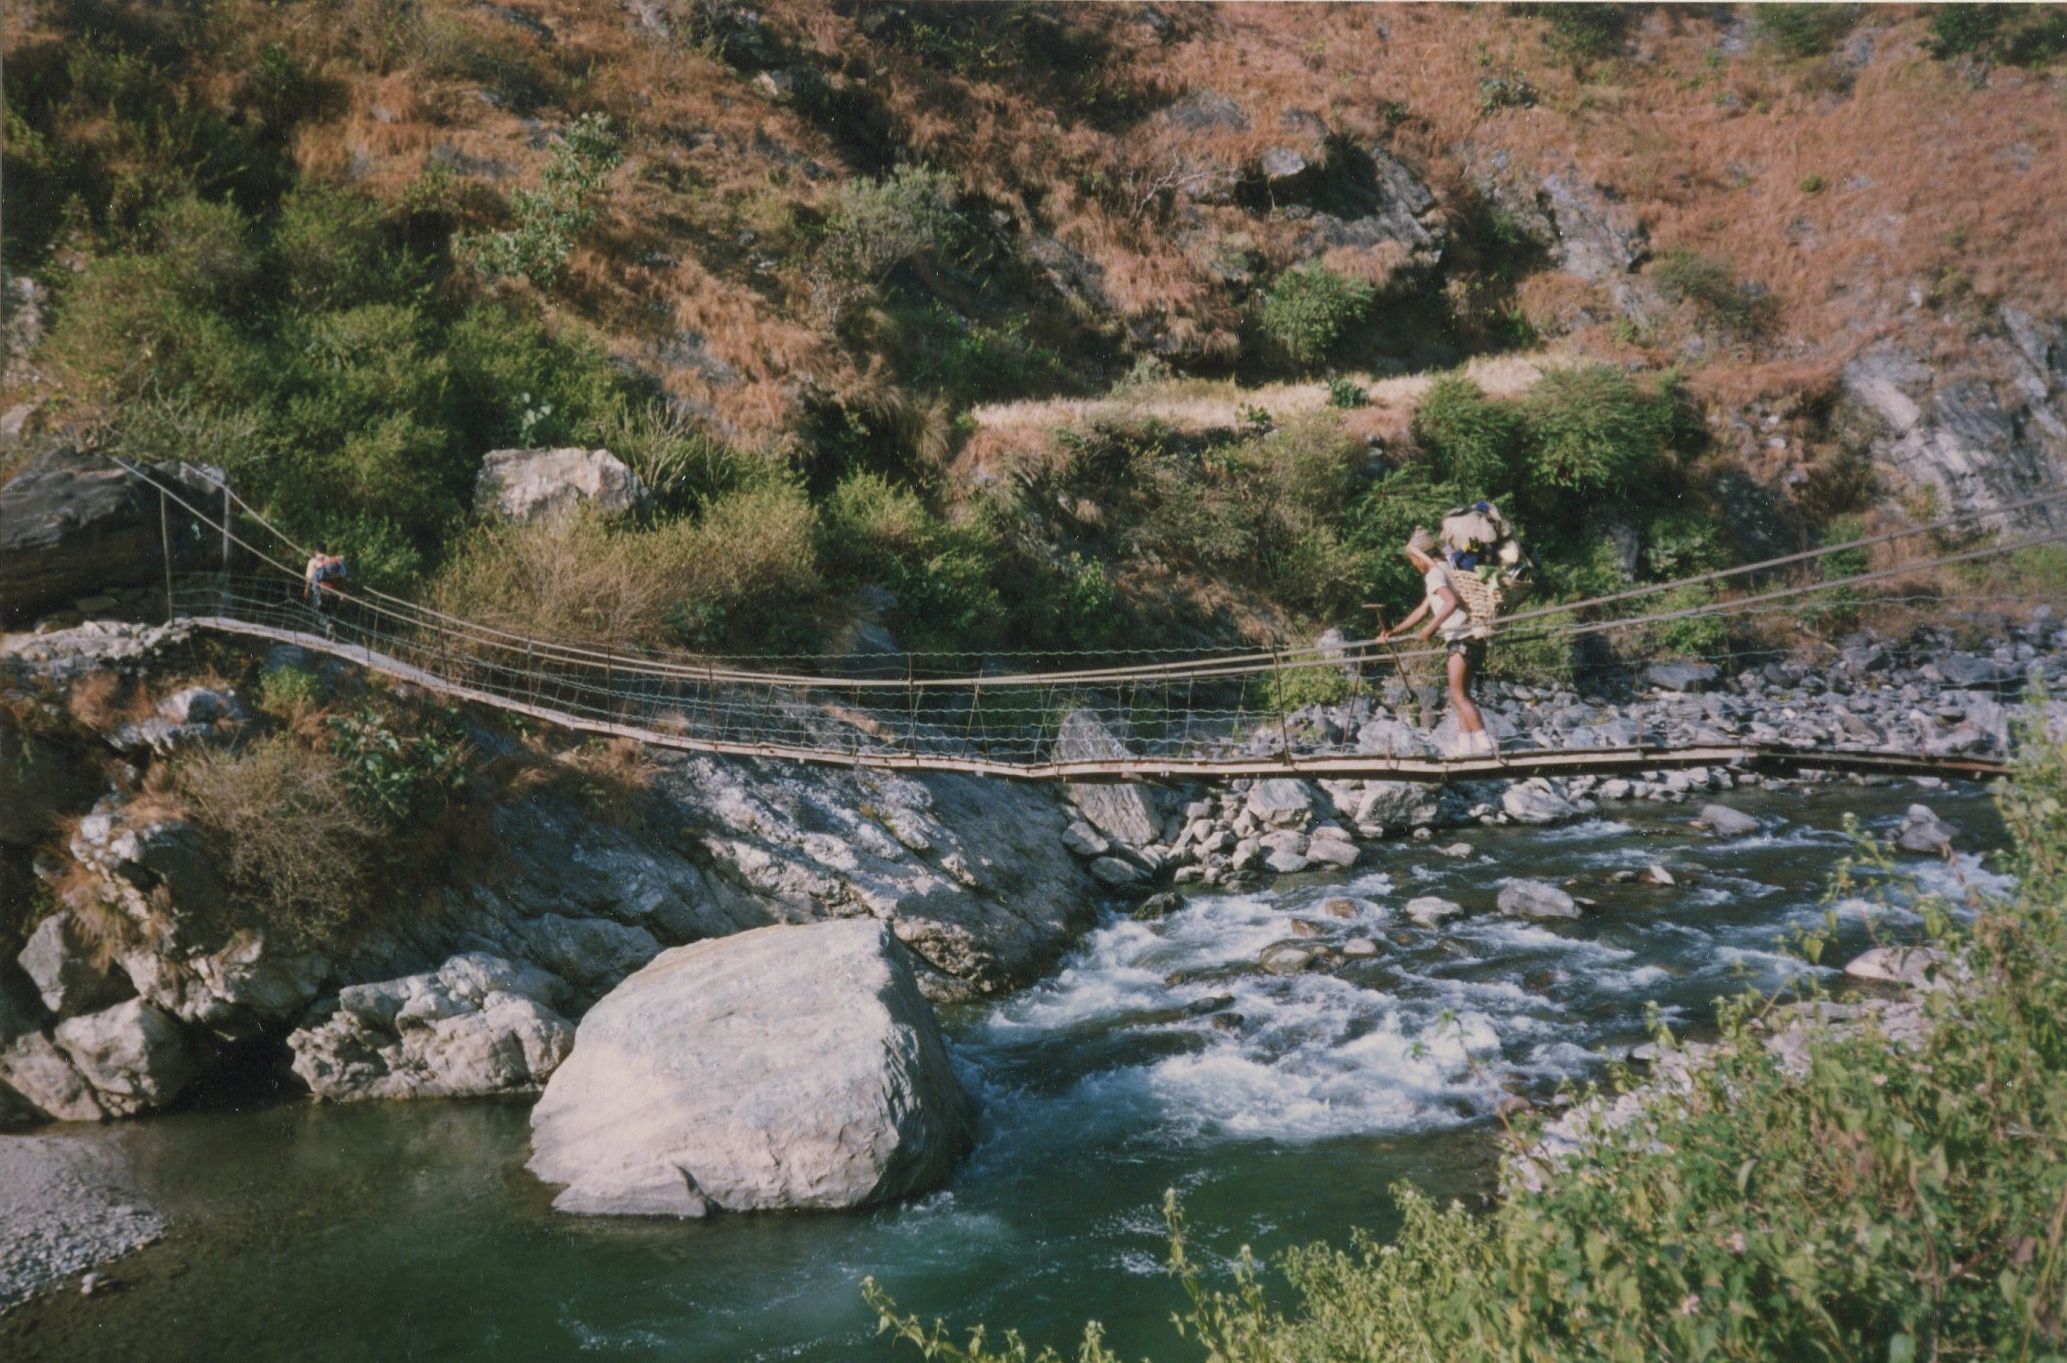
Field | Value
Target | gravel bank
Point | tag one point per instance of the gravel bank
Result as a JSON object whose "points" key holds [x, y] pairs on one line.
{"points": [[66, 1205]]}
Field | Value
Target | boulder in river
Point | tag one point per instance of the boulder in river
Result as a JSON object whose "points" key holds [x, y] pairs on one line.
{"points": [[787, 1067], [1923, 831], [1429, 910], [1725, 822], [1536, 899]]}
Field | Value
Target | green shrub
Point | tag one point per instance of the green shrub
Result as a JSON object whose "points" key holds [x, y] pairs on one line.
{"points": [[1471, 441], [1694, 636], [289, 692], [1309, 308], [684, 466], [1802, 30], [551, 219], [1592, 429], [1714, 291], [1284, 690], [875, 225], [403, 773], [1680, 542], [1584, 33], [329, 250], [2021, 35], [870, 527], [1346, 395], [745, 571], [125, 327]]}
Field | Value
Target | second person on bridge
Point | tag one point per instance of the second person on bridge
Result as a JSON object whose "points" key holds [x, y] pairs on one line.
{"points": [[1463, 654]]}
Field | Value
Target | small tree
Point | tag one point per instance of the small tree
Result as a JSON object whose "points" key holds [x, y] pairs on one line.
{"points": [[1309, 308], [550, 219]]}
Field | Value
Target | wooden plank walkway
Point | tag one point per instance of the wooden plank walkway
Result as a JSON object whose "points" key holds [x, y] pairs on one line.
{"points": [[1345, 766]]}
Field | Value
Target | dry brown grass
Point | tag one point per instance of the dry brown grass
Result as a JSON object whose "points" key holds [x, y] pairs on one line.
{"points": [[104, 700], [294, 845]]}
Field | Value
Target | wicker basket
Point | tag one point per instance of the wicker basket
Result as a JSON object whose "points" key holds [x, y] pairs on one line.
{"points": [[1484, 597]]}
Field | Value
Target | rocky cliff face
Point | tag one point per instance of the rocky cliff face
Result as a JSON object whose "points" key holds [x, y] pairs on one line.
{"points": [[1981, 430], [558, 906]]}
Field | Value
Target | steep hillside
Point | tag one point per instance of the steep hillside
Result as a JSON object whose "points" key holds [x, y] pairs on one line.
{"points": [[837, 274]]}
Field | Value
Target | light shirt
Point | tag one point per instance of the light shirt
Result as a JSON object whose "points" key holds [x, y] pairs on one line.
{"points": [[1457, 624]]}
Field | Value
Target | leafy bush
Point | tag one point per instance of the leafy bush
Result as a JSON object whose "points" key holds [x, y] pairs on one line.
{"points": [[1803, 30], [1877, 1201], [403, 773], [294, 842], [2021, 35], [289, 692], [552, 218], [1287, 689], [1694, 636], [1309, 307], [746, 570], [875, 225], [1346, 395], [682, 465], [1712, 288], [1471, 440], [1591, 429], [1584, 33]]}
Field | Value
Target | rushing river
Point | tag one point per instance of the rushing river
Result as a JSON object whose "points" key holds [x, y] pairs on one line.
{"points": [[411, 1231]]}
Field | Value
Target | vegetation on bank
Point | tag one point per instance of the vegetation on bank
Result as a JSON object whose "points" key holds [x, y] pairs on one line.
{"points": [[232, 274], [1891, 1201]]}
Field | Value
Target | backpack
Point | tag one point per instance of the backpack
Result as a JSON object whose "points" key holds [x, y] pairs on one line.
{"points": [[1489, 568]]}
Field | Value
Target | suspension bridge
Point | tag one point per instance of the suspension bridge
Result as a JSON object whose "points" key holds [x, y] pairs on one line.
{"points": [[1192, 716]]}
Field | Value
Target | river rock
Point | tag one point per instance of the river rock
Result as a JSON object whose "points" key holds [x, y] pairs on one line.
{"points": [[134, 1054], [1725, 822], [1911, 967], [1534, 802], [1536, 899], [1284, 862], [1429, 910], [1118, 874], [1681, 676], [477, 1025], [787, 1067], [1923, 831], [71, 1203], [1335, 851], [1280, 800], [533, 485], [1128, 812]]}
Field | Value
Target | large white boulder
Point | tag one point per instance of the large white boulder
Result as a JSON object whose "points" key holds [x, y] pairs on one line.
{"points": [[787, 1067], [534, 485], [477, 1025]]}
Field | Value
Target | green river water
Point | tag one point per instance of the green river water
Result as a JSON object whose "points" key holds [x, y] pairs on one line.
{"points": [[411, 1231]]}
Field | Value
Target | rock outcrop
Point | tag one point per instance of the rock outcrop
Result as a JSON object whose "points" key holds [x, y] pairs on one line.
{"points": [[72, 524], [476, 1025], [1128, 812], [1984, 432], [535, 485], [785, 1068]]}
